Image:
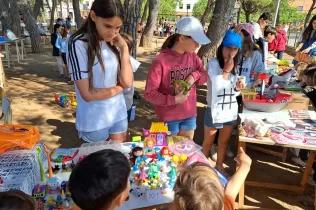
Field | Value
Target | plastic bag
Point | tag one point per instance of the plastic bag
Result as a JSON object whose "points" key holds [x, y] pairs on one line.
{"points": [[13, 137]]}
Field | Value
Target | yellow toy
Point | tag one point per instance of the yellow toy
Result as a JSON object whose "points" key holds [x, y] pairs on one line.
{"points": [[73, 100], [183, 158], [249, 94], [175, 159]]}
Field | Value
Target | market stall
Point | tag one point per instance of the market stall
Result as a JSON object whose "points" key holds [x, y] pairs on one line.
{"points": [[44, 174]]}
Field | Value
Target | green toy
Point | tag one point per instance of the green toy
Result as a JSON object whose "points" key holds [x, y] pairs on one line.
{"points": [[153, 170], [179, 85], [136, 139]]}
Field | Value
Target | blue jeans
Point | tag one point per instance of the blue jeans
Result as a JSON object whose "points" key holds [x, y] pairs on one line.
{"points": [[187, 125], [208, 120], [103, 134]]}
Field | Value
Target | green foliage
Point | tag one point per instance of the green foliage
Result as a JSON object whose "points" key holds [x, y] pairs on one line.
{"points": [[199, 8], [167, 9], [254, 6]]}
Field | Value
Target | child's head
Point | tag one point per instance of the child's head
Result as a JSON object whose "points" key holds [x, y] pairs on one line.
{"points": [[248, 45], [198, 187], [100, 181], [64, 32], [312, 60], [57, 28], [17, 200], [269, 33], [265, 19], [230, 47], [128, 39], [189, 35], [103, 23], [300, 68], [309, 76]]}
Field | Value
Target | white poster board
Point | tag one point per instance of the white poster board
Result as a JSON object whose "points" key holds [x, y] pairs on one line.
{"points": [[224, 105]]}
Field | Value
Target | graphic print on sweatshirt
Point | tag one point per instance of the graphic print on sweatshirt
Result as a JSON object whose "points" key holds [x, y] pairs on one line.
{"points": [[179, 73]]}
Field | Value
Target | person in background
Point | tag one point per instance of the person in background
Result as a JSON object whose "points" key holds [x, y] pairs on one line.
{"points": [[61, 44], [178, 61], [68, 21], [168, 30], [198, 187], [307, 42], [54, 37], [17, 200], [278, 45], [259, 26], [270, 33]]}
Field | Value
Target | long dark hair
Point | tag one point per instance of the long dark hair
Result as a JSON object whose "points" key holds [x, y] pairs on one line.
{"points": [[170, 41], [248, 45], [308, 30], [104, 9], [221, 60]]}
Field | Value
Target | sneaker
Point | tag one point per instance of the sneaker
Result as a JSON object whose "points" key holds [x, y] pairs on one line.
{"points": [[214, 153], [298, 161], [311, 182], [229, 153]]}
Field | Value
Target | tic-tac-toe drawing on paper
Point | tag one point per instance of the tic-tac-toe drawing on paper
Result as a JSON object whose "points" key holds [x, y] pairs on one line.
{"points": [[224, 105]]}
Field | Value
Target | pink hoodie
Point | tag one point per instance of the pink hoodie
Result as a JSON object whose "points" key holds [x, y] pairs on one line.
{"points": [[164, 70]]}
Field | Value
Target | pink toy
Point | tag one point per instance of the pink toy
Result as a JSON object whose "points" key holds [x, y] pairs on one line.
{"points": [[159, 132], [196, 157], [187, 147]]}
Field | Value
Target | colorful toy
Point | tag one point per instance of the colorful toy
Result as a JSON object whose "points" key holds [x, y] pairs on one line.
{"points": [[137, 192], [173, 173], [136, 139], [153, 170], [136, 152], [39, 191], [73, 100], [158, 131], [165, 152], [63, 186], [53, 186], [149, 145], [175, 159], [183, 158], [187, 147], [179, 85], [142, 177], [61, 100]]}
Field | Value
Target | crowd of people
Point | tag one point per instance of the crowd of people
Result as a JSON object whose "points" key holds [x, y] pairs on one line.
{"points": [[97, 59]]}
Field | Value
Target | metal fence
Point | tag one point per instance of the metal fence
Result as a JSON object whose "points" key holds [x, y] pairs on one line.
{"points": [[293, 37]]}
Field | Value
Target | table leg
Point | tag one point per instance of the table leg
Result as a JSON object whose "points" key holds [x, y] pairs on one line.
{"points": [[7, 55], [308, 169], [22, 49], [17, 51], [241, 196]]}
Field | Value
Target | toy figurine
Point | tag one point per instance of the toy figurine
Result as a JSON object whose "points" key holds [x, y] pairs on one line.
{"points": [[40, 204], [153, 170], [149, 145], [165, 152], [183, 158], [39, 191], [142, 177], [135, 153], [64, 167], [53, 186], [175, 160], [63, 186], [73, 100], [172, 174], [72, 165], [50, 201]]}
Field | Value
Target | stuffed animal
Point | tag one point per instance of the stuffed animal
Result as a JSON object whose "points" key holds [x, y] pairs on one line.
{"points": [[254, 128], [282, 79]]}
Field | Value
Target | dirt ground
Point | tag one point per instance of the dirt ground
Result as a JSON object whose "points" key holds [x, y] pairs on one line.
{"points": [[31, 87]]}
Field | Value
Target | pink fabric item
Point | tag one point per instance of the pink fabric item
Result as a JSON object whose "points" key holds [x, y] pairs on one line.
{"points": [[247, 27], [164, 70]]}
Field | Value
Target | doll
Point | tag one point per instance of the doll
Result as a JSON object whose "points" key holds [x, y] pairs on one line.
{"points": [[137, 153], [149, 144]]}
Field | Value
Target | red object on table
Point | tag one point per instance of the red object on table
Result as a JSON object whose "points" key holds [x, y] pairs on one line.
{"points": [[262, 76]]}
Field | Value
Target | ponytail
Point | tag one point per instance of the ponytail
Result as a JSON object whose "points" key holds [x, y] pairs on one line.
{"points": [[170, 41]]}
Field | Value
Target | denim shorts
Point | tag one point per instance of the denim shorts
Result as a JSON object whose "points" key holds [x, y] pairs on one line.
{"points": [[103, 134], [208, 121], [187, 124]]}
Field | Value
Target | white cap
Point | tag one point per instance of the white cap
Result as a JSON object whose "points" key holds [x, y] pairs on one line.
{"points": [[190, 26]]}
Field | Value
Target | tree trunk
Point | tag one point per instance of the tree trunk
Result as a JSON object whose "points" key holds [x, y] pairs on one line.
{"points": [[52, 15], [217, 27], [207, 11], [148, 33], [309, 13], [247, 15], [61, 8], [31, 26], [67, 3], [76, 8], [132, 13], [37, 8], [144, 16], [10, 17]]}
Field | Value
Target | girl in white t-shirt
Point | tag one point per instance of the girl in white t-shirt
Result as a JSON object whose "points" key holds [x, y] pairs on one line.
{"points": [[99, 63], [222, 89]]}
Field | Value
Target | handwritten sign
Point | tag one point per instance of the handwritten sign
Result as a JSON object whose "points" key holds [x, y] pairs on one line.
{"points": [[153, 196]]}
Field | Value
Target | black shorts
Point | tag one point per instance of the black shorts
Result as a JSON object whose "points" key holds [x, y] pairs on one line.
{"points": [[63, 56]]}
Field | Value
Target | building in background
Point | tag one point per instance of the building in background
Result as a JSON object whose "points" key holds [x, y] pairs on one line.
{"points": [[185, 8], [301, 5]]}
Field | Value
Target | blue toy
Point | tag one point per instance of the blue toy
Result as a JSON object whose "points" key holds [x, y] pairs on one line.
{"points": [[172, 174]]}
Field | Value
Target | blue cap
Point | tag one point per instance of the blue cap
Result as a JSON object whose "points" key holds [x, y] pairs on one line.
{"points": [[232, 39]]}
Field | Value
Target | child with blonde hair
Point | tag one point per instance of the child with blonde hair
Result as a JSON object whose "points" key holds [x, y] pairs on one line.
{"points": [[198, 186]]}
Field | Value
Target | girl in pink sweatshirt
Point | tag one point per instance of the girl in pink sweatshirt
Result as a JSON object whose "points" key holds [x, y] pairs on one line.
{"points": [[178, 61]]}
